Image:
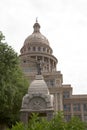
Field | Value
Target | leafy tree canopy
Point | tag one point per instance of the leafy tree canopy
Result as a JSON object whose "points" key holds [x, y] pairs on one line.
{"points": [[57, 123], [12, 83]]}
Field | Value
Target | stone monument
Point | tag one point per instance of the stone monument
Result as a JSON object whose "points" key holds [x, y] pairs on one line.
{"points": [[37, 100]]}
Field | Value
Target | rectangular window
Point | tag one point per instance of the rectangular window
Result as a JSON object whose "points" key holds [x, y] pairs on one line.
{"points": [[39, 48], [76, 107], [52, 83], [66, 107], [44, 49], [34, 49], [66, 94], [85, 107]]}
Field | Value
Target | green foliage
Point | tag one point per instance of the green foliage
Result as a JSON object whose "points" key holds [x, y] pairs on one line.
{"points": [[18, 126], [57, 123], [37, 123], [75, 124], [12, 84]]}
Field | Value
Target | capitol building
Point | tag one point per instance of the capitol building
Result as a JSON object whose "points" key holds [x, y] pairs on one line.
{"points": [[37, 53]]}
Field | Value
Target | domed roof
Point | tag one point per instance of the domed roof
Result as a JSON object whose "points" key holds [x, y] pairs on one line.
{"points": [[36, 36], [38, 86]]}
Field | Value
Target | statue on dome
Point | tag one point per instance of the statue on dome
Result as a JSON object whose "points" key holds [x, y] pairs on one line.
{"points": [[39, 66]]}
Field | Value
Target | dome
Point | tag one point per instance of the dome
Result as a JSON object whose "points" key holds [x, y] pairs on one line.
{"points": [[38, 86], [36, 36]]}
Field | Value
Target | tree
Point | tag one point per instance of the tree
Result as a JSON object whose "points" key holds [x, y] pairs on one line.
{"points": [[57, 123], [76, 124], [12, 84]]}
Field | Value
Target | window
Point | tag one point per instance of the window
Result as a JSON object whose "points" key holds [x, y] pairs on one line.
{"points": [[76, 107], [44, 49], [66, 94], [34, 49], [66, 107], [29, 48], [85, 107], [52, 83], [33, 57], [39, 48], [47, 50]]}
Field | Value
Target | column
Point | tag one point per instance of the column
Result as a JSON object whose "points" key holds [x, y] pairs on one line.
{"points": [[82, 112], [49, 65], [56, 102], [72, 110], [43, 64], [61, 101]]}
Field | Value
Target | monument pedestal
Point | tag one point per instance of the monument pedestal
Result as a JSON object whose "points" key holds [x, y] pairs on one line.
{"points": [[38, 100]]}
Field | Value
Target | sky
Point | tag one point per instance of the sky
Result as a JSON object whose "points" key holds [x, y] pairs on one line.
{"points": [[63, 22]]}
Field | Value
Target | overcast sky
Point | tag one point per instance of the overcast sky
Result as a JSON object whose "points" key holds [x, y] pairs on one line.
{"points": [[63, 22]]}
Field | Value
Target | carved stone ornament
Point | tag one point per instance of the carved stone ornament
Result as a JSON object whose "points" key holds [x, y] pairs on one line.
{"points": [[37, 103]]}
